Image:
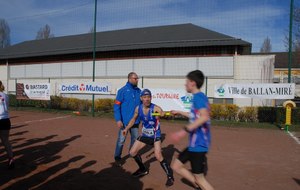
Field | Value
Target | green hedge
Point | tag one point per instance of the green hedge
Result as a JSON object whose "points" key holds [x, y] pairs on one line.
{"points": [[61, 103], [277, 115], [27, 103], [218, 111]]}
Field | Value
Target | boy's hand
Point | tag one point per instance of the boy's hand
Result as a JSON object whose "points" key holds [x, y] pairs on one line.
{"points": [[124, 132], [177, 136], [174, 112]]}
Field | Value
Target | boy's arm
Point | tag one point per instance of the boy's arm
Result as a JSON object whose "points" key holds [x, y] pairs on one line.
{"points": [[202, 118], [132, 121], [183, 113]]}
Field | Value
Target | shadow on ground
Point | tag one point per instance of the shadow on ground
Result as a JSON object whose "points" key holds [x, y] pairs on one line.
{"points": [[33, 171], [31, 155]]}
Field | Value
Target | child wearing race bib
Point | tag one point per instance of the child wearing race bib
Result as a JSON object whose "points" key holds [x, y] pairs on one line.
{"points": [[199, 134], [151, 135]]}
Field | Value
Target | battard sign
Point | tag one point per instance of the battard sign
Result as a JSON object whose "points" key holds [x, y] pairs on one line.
{"points": [[260, 91]]}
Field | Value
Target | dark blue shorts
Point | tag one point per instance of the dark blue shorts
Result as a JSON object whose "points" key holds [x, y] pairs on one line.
{"points": [[148, 140], [198, 161]]}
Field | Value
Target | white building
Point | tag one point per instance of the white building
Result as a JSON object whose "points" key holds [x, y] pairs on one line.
{"points": [[162, 56]]}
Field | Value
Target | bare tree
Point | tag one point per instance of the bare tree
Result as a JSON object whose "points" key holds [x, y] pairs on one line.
{"points": [[4, 34], [91, 30], [44, 33], [297, 29], [296, 32], [266, 46]]}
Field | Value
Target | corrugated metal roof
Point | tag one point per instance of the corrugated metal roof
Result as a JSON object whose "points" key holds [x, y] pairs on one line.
{"points": [[182, 35]]}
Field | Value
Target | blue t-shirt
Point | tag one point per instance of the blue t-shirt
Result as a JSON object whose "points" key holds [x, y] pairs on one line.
{"points": [[151, 124], [200, 138]]}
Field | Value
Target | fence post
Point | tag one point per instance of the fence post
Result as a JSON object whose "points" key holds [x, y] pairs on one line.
{"points": [[50, 104], [17, 101], [206, 78], [94, 55]]}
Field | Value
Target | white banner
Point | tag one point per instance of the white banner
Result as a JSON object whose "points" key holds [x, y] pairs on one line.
{"points": [[171, 99], [85, 88], [37, 91], [259, 91]]}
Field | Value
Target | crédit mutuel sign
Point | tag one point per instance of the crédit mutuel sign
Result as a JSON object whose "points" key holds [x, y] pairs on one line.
{"points": [[260, 91], [85, 88]]}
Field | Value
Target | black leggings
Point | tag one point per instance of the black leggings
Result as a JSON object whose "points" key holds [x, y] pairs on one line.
{"points": [[4, 136]]}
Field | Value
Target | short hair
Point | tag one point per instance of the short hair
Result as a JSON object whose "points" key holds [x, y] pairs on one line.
{"points": [[197, 76], [131, 74], [1, 86]]}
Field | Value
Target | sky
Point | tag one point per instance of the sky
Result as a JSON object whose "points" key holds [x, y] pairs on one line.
{"points": [[249, 20]]}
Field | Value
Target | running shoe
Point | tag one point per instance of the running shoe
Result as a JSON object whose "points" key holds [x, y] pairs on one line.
{"points": [[140, 173], [118, 163], [11, 164], [170, 181]]}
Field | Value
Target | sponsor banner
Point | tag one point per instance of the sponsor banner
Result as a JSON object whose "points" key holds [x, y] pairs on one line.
{"points": [[171, 99], [37, 91], [85, 88], [259, 91]]}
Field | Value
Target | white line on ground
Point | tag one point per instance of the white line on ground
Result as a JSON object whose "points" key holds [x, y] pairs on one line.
{"points": [[41, 120], [294, 137]]}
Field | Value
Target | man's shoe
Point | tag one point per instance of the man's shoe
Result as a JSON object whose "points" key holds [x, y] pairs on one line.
{"points": [[140, 173], [170, 181], [118, 163], [11, 164]]}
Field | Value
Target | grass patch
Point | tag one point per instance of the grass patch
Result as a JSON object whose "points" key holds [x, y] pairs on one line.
{"points": [[244, 124]]}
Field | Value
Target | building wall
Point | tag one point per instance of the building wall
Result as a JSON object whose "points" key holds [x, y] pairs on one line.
{"points": [[3, 75], [153, 72], [254, 69], [281, 75]]}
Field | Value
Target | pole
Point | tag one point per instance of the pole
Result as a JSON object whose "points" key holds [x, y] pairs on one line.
{"points": [[206, 86], [290, 40], [49, 105], [17, 101], [94, 55], [142, 82]]}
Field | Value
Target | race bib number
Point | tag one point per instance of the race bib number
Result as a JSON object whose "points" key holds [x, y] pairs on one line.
{"points": [[148, 132]]}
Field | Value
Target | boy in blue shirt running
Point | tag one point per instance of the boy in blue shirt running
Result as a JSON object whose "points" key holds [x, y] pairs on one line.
{"points": [[199, 134], [151, 135]]}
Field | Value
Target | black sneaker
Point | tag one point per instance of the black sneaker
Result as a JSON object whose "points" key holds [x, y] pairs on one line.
{"points": [[118, 163], [140, 173], [11, 164], [170, 181]]}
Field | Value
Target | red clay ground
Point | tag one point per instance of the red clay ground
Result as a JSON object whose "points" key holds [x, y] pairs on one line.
{"points": [[66, 152]]}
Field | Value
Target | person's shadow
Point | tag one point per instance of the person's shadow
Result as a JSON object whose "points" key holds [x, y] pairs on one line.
{"points": [[167, 152], [42, 176], [110, 178], [143, 151], [30, 156]]}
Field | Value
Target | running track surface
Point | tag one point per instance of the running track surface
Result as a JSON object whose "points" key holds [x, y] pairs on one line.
{"points": [[66, 152]]}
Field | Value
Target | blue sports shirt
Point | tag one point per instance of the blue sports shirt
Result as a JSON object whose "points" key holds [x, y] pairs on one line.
{"points": [[200, 138], [151, 124]]}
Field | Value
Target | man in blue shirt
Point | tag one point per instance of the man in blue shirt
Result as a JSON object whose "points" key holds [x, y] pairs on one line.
{"points": [[199, 134], [128, 98]]}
